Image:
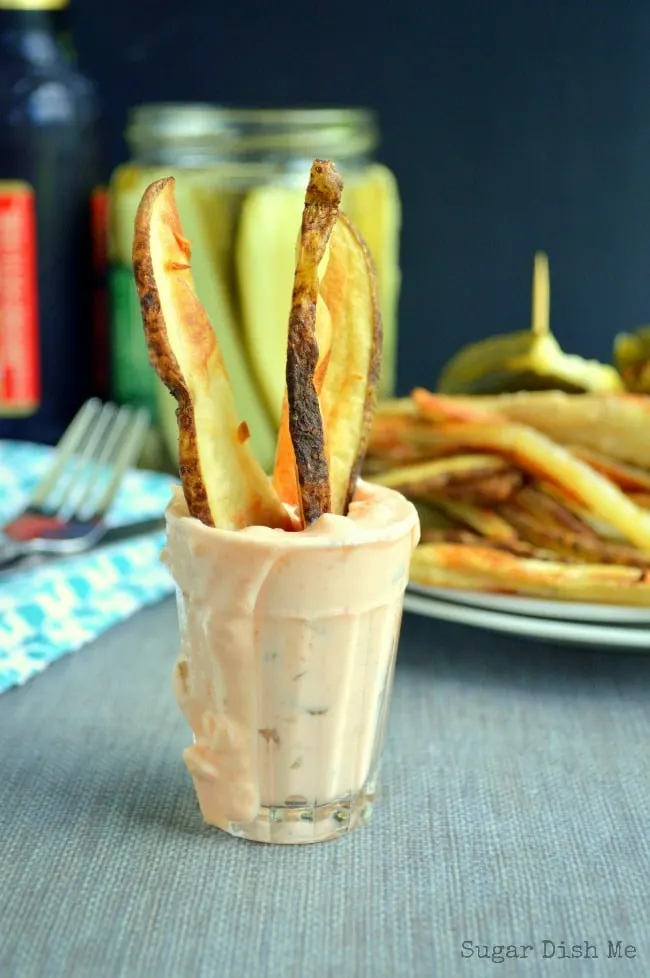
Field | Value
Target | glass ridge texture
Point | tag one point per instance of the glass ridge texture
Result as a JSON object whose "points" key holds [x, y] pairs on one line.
{"points": [[288, 646]]}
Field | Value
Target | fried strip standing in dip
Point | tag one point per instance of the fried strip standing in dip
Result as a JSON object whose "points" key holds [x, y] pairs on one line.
{"points": [[322, 201], [346, 376], [350, 383], [285, 475], [223, 483]]}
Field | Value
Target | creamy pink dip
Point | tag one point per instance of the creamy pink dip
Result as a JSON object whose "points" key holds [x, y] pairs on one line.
{"points": [[287, 646]]}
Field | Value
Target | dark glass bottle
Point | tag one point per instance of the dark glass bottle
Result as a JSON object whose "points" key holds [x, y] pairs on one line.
{"points": [[50, 165]]}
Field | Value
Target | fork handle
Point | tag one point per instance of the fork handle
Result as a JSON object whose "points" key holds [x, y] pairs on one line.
{"points": [[9, 550]]}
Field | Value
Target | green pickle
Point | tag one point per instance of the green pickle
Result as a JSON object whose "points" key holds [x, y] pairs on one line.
{"points": [[242, 220], [527, 360], [632, 357]]}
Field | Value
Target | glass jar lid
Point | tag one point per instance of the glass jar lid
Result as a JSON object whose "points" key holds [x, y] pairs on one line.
{"points": [[212, 130]]}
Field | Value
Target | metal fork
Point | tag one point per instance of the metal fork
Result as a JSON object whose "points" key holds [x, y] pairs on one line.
{"points": [[67, 511]]}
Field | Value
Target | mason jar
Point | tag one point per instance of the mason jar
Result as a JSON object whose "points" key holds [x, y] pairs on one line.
{"points": [[241, 176]]}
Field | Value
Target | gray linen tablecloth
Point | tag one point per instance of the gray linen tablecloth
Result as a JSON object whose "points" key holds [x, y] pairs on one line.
{"points": [[516, 810]]}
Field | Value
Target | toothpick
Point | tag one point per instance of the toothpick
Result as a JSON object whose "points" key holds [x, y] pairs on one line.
{"points": [[540, 323]]}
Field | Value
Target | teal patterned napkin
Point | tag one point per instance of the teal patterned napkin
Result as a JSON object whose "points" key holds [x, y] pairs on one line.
{"points": [[57, 607]]}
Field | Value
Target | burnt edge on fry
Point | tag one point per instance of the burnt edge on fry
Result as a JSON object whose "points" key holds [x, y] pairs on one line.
{"points": [[162, 359], [374, 368], [305, 419]]}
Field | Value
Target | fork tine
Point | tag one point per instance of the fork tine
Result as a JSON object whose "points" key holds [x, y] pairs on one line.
{"points": [[58, 500], [72, 439], [127, 455], [120, 421], [92, 458]]}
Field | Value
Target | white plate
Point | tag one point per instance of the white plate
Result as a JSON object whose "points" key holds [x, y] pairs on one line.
{"points": [[537, 629], [566, 611]]}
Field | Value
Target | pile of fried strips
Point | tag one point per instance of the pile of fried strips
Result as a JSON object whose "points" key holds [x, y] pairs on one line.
{"points": [[541, 494]]}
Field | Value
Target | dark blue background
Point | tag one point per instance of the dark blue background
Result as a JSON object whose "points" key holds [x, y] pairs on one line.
{"points": [[511, 127]]}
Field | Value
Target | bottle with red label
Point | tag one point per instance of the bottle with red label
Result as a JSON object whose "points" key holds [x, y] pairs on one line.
{"points": [[52, 227]]}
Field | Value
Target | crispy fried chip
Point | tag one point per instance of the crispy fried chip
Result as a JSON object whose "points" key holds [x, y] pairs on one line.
{"points": [[223, 484], [305, 421], [285, 475], [349, 388], [614, 424], [604, 530], [487, 569], [565, 517], [547, 511], [569, 544], [485, 521], [396, 407], [440, 472], [538, 455], [628, 477], [445, 407], [492, 489], [520, 548]]}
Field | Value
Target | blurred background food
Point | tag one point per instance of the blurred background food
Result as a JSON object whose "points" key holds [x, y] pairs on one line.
{"points": [[632, 358], [545, 494], [235, 103]]}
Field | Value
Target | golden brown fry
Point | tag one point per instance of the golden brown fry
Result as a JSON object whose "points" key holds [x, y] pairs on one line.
{"points": [[387, 428], [604, 530], [396, 407], [305, 421], [570, 512], [396, 456], [377, 465], [628, 477], [349, 388], [614, 424], [538, 455], [403, 437], [569, 544], [440, 408], [440, 472], [482, 568], [547, 511], [398, 453], [520, 548], [550, 523], [485, 521], [492, 489], [285, 474], [223, 484]]}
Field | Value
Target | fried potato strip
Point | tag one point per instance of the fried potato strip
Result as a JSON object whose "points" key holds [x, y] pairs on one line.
{"points": [[223, 484], [304, 419], [482, 568], [538, 455]]}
